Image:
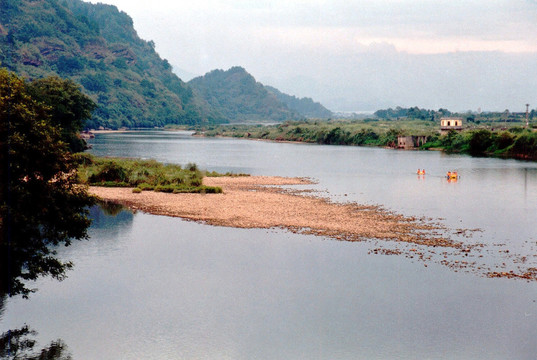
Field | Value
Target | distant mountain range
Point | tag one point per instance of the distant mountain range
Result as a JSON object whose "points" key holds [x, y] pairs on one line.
{"points": [[97, 46], [237, 95], [304, 106]]}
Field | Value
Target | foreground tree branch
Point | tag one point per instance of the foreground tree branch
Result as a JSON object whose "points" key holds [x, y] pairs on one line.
{"points": [[41, 204]]}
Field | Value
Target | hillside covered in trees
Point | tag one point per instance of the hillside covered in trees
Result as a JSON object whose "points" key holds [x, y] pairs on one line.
{"points": [[97, 47], [237, 95], [304, 106]]}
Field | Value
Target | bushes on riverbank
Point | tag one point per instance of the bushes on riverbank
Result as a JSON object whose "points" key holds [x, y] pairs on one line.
{"points": [[143, 175], [320, 132], [515, 142]]}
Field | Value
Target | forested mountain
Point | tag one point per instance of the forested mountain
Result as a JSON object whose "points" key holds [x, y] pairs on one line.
{"points": [[304, 106], [239, 97], [97, 46]]}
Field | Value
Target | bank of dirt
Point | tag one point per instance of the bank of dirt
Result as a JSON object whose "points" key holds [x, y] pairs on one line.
{"points": [[260, 202]]}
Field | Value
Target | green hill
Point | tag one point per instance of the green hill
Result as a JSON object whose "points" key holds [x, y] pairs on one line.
{"points": [[239, 97], [304, 106], [97, 46]]}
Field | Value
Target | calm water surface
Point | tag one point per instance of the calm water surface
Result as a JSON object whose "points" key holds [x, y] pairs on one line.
{"points": [[155, 287]]}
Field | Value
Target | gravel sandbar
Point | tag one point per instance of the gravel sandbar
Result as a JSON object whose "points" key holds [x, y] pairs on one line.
{"points": [[257, 202]]}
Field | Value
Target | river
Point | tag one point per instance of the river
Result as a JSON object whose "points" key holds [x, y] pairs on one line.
{"points": [[155, 287]]}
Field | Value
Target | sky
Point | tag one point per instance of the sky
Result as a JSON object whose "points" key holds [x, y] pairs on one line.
{"points": [[357, 55]]}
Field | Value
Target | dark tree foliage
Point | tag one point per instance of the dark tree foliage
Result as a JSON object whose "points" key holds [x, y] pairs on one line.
{"points": [[41, 204], [336, 136], [69, 65], [20, 343], [525, 146], [304, 106], [480, 141], [70, 108], [95, 83], [504, 140], [16, 344], [453, 141]]}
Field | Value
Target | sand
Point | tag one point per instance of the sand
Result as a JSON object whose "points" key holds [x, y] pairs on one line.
{"points": [[261, 202]]}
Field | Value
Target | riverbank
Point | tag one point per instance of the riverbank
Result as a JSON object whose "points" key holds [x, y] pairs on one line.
{"points": [[118, 131], [515, 142]]}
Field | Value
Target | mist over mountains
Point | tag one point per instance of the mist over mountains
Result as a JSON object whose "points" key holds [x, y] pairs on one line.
{"points": [[97, 46], [360, 55], [384, 78]]}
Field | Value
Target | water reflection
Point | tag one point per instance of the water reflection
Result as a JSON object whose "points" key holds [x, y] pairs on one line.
{"points": [[110, 230], [20, 343], [110, 216], [111, 208]]}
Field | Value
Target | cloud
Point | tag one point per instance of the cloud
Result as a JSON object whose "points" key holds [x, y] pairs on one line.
{"points": [[414, 26], [360, 51]]}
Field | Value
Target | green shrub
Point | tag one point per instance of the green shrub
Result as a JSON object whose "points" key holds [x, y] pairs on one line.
{"points": [[480, 141], [432, 144], [454, 142], [198, 189], [164, 188], [216, 174], [178, 179], [83, 158], [525, 146], [110, 171], [144, 175], [112, 184], [146, 187], [516, 130], [212, 189], [196, 181], [504, 140], [192, 167], [136, 190]]}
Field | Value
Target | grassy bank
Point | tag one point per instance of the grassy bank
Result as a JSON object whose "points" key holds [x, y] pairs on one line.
{"points": [[143, 175], [514, 142], [371, 132]]}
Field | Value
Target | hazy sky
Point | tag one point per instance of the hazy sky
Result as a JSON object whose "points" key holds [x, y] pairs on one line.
{"points": [[357, 54]]}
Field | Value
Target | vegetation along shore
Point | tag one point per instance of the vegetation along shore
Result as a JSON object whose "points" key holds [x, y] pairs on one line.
{"points": [[484, 140], [143, 175]]}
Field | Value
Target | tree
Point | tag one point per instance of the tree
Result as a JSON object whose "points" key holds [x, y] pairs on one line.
{"points": [[480, 141], [20, 343], [41, 204], [69, 107], [525, 146]]}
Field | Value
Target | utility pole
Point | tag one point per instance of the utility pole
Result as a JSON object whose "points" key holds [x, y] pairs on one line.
{"points": [[527, 116]]}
